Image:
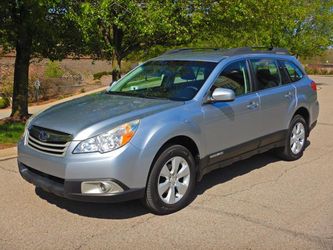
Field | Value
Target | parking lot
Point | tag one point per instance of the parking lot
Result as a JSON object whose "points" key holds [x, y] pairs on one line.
{"points": [[258, 203]]}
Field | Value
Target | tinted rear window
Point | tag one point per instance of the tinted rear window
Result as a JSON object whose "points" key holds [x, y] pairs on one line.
{"points": [[294, 72]]}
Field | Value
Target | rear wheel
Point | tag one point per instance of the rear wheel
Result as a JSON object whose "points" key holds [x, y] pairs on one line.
{"points": [[171, 181], [295, 139]]}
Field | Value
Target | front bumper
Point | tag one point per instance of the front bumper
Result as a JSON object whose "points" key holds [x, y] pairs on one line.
{"points": [[71, 189], [125, 164]]}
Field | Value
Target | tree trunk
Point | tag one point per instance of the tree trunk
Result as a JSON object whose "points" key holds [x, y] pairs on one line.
{"points": [[116, 55], [21, 79], [119, 67], [116, 69]]}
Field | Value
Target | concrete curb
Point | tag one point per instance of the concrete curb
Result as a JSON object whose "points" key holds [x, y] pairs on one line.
{"points": [[8, 153]]}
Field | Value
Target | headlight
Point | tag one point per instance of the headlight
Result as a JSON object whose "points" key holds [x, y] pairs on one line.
{"points": [[110, 140]]}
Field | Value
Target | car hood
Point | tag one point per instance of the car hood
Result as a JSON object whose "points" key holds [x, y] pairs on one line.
{"points": [[90, 115]]}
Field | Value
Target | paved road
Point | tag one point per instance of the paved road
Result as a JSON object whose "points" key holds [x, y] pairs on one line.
{"points": [[258, 203]]}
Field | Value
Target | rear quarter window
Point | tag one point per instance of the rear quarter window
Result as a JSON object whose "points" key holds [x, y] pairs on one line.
{"points": [[294, 72]]}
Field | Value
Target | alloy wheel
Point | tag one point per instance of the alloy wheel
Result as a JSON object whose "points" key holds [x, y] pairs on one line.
{"points": [[173, 180], [297, 138]]}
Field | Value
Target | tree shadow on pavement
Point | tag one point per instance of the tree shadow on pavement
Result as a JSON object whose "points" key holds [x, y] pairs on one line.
{"points": [[134, 208]]}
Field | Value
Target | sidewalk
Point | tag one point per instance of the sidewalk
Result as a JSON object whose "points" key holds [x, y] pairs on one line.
{"points": [[9, 153]]}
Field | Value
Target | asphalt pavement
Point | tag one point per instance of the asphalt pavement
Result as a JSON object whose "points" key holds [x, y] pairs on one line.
{"points": [[259, 203]]}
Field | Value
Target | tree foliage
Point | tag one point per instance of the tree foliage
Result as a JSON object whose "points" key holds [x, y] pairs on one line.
{"points": [[34, 29], [114, 29], [304, 27]]}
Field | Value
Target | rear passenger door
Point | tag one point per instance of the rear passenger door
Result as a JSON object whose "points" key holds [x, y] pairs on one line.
{"points": [[277, 97]]}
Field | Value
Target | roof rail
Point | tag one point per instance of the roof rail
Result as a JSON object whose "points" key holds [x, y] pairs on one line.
{"points": [[250, 50], [235, 51], [174, 51]]}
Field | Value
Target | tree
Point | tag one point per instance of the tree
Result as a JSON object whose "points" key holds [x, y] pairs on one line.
{"points": [[34, 29], [113, 29], [304, 27]]}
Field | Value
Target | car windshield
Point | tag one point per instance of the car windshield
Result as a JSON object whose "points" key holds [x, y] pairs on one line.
{"points": [[174, 80]]}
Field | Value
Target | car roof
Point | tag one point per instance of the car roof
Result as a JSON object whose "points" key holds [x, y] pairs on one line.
{"points": [[215, 54]]}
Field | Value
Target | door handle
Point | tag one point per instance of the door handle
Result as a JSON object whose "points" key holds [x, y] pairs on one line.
{"points": [[288, 95], [252, 105]]}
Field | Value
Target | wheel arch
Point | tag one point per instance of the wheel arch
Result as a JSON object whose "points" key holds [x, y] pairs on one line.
{"points": [[185, 141], [304, 112], [182, 140]]}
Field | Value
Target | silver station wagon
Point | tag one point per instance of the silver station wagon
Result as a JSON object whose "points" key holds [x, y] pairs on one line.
{"points": [[157, 131]]}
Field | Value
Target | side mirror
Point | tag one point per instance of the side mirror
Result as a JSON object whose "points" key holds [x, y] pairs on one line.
{"points": [[222, 95]]}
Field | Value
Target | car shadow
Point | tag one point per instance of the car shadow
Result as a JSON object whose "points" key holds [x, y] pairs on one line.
{"points": [[134, 208], [234, 170], [237, 169], [123, 210]]}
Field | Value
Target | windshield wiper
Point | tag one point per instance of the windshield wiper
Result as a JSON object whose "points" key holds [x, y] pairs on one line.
{"points": [[119, 93], [141, 95]]}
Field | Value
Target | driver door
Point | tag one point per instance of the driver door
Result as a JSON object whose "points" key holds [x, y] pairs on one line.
{"points": [[232, 127]]}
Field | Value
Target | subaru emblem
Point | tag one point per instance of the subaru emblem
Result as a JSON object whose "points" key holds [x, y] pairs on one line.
{"points": [[43, 135]]}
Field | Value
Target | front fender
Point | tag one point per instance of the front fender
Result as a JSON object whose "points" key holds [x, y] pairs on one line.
{"points": [[155, 136], [155, 131]]}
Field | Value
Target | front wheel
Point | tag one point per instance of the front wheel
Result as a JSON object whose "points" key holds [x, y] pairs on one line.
{"points": [[295, 140], [171, 181]]}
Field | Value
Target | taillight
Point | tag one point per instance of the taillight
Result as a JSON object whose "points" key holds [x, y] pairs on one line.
{"points": [[314, 86]]}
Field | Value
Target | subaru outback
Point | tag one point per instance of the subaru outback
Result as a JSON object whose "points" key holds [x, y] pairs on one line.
{"points": [[159, 129]]}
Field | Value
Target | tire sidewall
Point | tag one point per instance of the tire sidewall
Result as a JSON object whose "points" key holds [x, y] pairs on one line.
{"points": [[165, 156], [296, 119]]}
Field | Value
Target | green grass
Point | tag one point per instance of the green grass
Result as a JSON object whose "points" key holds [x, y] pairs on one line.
{"points": [[10, 133]]}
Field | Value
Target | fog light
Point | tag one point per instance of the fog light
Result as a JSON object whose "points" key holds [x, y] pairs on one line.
{"points": [[100, 187], [105, 187]]}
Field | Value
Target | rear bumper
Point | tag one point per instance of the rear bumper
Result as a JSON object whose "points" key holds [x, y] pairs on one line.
{"points": [[71, 189]]}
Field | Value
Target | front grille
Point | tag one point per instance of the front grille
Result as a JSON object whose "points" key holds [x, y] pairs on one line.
{"points": [[48, 141]]}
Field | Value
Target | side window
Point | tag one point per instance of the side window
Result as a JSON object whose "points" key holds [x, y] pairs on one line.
{"points": [[294, 72], [235, 76], [266, 73], [284, 74]]}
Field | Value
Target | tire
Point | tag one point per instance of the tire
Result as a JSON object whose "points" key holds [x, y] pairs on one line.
{"points": [[168, 190], [298, 131]]}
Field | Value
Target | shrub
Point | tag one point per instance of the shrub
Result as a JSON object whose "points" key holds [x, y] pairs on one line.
{"points": [[318, 71], [4, 102], [98, 76], [53, 70], [309, 70]]}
